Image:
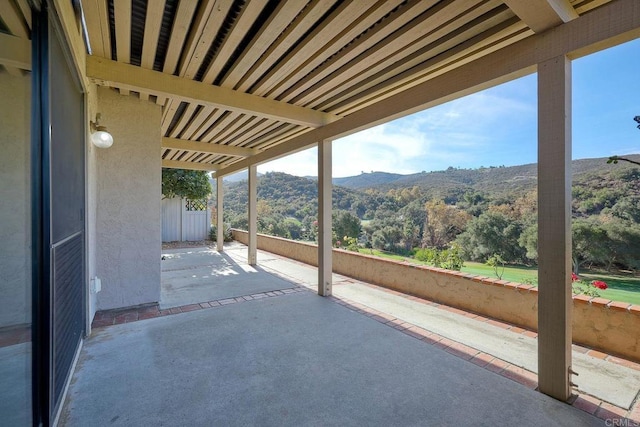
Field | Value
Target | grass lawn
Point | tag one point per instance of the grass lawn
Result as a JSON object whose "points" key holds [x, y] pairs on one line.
{"points": [[388, 255], [512, 274], [621, 288]]}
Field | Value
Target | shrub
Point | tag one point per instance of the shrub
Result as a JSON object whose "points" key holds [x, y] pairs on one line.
{"points": [[445, 258], [213, 233]]}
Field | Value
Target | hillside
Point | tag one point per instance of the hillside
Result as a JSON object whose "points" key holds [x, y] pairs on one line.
{"points": [[503, 181], [296, 197], [284, 196], [484, 211], [368, 180]]}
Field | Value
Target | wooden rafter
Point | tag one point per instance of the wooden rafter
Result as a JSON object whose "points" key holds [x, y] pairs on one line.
{"points": [[431, 27], [280, 18], [15, 52], [204, 147], [389, 82], [97, 19], [540, 15], [377, 34], [315, 42], [14, 19], [123, 34], [177, 164], [110, 73], [460, 46], [335, 45], [246, 19], [303, 22]]}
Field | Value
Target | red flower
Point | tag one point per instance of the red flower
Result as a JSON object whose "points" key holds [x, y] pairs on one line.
{"points": [[600, 284], [574, 277]]}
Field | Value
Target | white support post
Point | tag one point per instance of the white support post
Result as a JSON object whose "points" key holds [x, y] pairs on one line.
{"points": [[219, 214], [253, 215], [325, 250], [554, 227]]}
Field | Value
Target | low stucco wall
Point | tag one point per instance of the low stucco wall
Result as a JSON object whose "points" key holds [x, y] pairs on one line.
{"points": [[598, 323]]}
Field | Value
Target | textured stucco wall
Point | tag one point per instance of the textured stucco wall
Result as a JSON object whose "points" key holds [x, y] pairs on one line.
{"points": [[15, 203], [607, 324], [128, 223], [598, 323]]}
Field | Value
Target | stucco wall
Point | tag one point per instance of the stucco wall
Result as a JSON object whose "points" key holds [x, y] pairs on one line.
{"points": [[128, 223], [613, 327], [15, 203]]}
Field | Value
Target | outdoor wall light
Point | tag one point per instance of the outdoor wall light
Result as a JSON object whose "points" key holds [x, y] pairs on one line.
{"points": [[99, 136]]}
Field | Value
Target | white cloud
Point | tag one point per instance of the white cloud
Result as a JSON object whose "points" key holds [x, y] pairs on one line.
{"points": [[469, 132], [303, 163]]}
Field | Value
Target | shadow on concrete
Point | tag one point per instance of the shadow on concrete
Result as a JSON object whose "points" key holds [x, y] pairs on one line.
{"points": [[195, 275]]}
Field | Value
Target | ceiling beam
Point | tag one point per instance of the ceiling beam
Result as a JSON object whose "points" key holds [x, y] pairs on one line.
{"points": [[176, 164], [541, 15], [15, 52], [105, 72], [614, 23], [13, 19], [205, 147]]}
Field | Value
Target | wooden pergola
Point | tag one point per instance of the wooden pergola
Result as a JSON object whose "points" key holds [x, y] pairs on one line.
{"points": [[243, 82]]}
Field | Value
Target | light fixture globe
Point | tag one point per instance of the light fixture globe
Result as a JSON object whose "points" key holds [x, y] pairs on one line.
{"points": [[101, 138]]}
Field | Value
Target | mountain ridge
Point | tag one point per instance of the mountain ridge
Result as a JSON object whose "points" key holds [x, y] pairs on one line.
{"points": [[518, 177]]}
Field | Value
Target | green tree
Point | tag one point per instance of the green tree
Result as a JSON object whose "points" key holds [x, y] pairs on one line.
{"points": [[529, 241], [590, 243], [293, 228], [492, 233], [186, 184], [623, 245], [442, 224], [345, 224], [387, 238]]}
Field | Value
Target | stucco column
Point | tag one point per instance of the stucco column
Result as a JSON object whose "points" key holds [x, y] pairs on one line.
{"points": [[325, 252], [554, 227], [253, 215], [219, 215]]}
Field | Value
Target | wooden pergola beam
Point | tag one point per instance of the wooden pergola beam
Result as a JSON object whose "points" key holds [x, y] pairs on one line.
{"points": [[540, 15], [177, 164], [15, 52], [205, 147], [105, 72]]}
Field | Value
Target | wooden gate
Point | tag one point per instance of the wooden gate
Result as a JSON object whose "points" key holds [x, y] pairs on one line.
{"points": [[185, 220]]}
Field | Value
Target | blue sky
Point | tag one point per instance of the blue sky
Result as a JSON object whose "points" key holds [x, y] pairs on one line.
{"points": [[497, 126]]}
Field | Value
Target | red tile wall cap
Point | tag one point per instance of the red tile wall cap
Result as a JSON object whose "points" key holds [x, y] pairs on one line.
{"points": [[619, 306], [602, 302], [582, 298]]}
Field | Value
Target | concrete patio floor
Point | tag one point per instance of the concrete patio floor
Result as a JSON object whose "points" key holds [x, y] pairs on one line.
{"points": [[296, 359], [288, 357]]}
